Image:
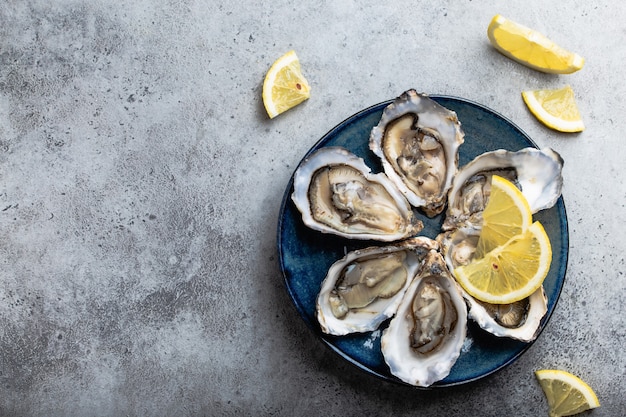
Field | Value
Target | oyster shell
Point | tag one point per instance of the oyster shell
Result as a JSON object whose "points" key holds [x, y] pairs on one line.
{"points": [[364, 288], [519, 320], [417, 141], [424, 339], [336, 192], [537, 173]]}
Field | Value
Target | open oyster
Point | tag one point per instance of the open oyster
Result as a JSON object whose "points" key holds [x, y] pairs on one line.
{"points": [[537, 173], [519, 320], [364, 288], [417, 141], [424, 339], [336, 192]]}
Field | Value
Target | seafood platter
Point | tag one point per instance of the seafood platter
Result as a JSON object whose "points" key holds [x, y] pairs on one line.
{"points": [[380, 212]]}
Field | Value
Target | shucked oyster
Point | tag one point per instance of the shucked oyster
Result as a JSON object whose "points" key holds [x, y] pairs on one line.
{"points": [[336, 193], [424, 339], [364, 288], [537, 173], [417, 141], [519, 320]]}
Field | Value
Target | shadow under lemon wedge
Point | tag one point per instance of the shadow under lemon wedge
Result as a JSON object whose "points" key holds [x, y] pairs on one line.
{"points": [[284, 86], [513, 255]]}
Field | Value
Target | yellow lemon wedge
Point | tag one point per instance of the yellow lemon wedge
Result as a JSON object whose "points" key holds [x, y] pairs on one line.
{"points": [[531, 48], [284, 86], [507, 214], [510, 272], [566, 393], [556, 109]]}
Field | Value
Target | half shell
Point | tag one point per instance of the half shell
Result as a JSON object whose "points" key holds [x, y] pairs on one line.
{"points": [[424, 339], [336, 192], [417, 141], [519, 320], [364, 288], [537, 173]]}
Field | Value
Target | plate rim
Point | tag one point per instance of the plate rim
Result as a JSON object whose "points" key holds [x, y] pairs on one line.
{"points": [[326, 339]]}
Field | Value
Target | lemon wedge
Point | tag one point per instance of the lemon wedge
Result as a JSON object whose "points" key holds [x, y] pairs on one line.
{"points": [[566, 393], [531, 48], [510, 272], [284, 86], [507, 214], [513, 255], [556, 109]]}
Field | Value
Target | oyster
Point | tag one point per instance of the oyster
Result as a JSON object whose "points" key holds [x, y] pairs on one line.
{"points": [[336, 192], [364, 288], [417, 141], [519, 320], [424, 339], [537, 173]]}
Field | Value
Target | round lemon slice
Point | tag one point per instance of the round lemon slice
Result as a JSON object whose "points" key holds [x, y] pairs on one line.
{"points": [[509, 272], [566, 393], [556, 109], [284, 86], [531, 48], [507, 214]]}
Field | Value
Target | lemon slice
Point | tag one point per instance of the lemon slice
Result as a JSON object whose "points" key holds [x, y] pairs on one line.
{"points": [[510, 272], [507, 214], [555, 108], [531, 48], [566, 393], [284, 86]]}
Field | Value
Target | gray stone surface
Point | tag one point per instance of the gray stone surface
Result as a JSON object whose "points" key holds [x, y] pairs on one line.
{"points": [[140, 183]]}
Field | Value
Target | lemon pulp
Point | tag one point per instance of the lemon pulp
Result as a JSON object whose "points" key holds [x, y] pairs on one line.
{"points": [[507, 214], [513, 255], [284, 86], [566, 393], [555, 108]]}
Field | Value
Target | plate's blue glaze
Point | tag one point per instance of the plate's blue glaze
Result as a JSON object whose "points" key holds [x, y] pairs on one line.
{"points": [[306, 255]]}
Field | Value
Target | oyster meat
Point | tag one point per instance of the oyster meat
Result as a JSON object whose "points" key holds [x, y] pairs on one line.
{"points": [[336, 192], [459, 245], [417, 141], [364, 288], [424, 339]]}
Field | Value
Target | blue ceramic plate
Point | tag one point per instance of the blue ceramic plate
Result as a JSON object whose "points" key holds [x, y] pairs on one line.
{"points": [[306, 255]]}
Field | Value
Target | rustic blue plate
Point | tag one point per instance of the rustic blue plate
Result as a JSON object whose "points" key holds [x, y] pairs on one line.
{"points": [[306, 255]]}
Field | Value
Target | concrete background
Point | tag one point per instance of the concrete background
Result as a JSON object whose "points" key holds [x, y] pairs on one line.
{"points": [[140, 183]]}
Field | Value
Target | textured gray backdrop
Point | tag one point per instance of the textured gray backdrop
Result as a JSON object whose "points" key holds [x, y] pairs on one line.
{"points": [[140, 183]]}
